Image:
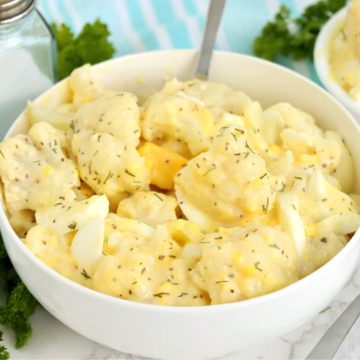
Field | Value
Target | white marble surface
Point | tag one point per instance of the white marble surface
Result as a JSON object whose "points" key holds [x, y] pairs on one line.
{"points": [[53, 340]]}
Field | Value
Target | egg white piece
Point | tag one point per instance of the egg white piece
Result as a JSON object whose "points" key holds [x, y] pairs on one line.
{"points": [[87, 244], [291, 220], [66, 217]]}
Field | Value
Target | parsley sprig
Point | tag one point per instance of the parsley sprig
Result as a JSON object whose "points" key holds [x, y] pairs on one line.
{"points": [[19, 303], [294, 37], [91, 46]]}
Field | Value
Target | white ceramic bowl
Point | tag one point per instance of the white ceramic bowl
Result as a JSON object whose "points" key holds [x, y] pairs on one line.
{"points": [[195, 332], [321, 61]]}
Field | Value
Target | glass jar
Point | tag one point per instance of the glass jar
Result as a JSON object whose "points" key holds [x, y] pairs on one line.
{"points": [[27, 57]]}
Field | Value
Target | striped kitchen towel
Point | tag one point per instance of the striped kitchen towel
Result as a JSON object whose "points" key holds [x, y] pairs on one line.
{"points": [[143, 25]]}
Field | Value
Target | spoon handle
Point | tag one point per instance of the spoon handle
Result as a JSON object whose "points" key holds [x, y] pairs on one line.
{"points": [[331, 341], [213, 18]]}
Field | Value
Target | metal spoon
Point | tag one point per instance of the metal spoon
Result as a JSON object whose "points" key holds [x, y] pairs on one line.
{"points": [[213, 18], [330, 342]]}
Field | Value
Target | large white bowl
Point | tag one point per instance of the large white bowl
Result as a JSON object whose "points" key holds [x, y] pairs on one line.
{"points": [[321, 62], [195, 332]]}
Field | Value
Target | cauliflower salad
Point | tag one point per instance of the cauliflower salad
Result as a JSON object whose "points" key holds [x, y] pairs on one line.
{"points": [[196, 196]]}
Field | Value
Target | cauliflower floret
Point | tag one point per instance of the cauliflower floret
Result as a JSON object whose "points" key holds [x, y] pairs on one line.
{"points": [[141, 264], [173, 116], [285, 127], [54, 251], [108, 166], [115, 113], [47, 138], [219, 98], [189, 112], [34, 169], [150, 207], [83, 85], [286, 115], [240, 263], [225, 185]]}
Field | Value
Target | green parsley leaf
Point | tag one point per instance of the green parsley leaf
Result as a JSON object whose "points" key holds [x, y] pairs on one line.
{"points": [[16, 312], [90, 46], [4, 354], [294, 37], [19, 305], [275, 36]]}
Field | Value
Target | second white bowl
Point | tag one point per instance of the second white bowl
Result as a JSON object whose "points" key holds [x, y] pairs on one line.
{"points": [[321, 61]]}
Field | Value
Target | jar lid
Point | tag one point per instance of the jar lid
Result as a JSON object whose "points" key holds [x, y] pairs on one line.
{"points": [[12, 10]]}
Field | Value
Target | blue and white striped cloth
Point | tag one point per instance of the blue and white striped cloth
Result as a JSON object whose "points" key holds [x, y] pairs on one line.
{"points": [[143, 25]]}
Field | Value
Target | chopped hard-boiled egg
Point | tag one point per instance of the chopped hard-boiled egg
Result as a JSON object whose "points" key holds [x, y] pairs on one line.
{"points": [[87, 244], [291, 221], [65, 217], [163, 164]]}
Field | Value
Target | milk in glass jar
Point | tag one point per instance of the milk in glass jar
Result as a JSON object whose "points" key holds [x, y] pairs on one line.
{"points": [[27, 57]]}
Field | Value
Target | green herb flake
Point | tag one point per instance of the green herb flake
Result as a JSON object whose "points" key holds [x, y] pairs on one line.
{"points": [[262, 176], [275, 246], [239, 130], [266, 206], [248, 147], [85, 274], [257, 266], [161, 294], [72, 226], [158, 196], [213, 167], [109, 175], [129, 173]]}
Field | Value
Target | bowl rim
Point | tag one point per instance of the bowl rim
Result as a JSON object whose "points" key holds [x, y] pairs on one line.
{"points": [[321, 61], [5, 224]]}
